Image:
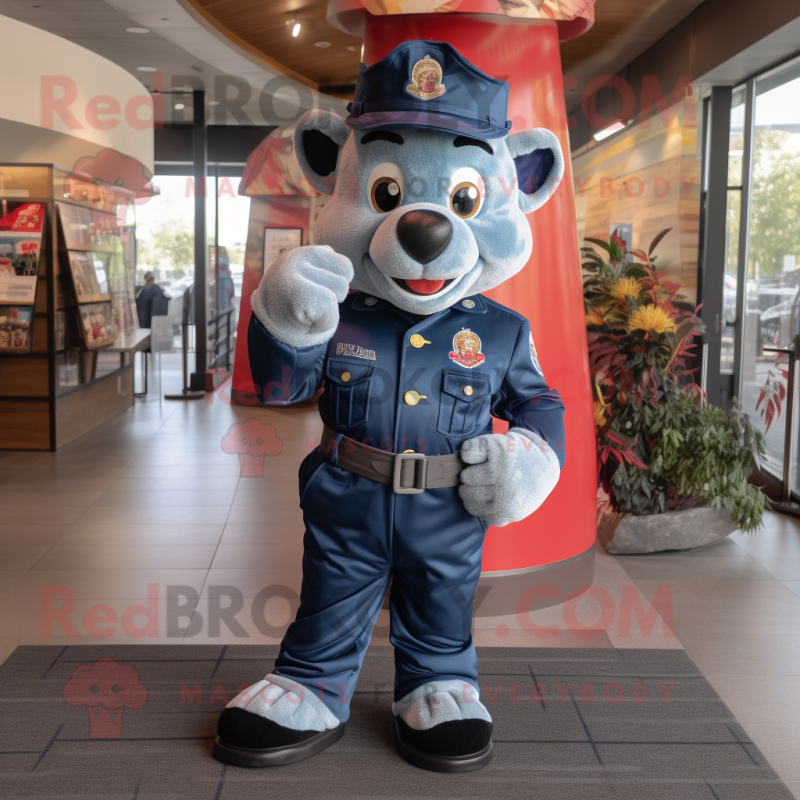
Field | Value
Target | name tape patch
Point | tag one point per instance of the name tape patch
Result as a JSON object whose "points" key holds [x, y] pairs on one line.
{"points": [[343, 349]]}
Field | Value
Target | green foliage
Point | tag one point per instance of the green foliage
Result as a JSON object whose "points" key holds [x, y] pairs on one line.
{"points": [[175, 243], [699, 451], [660, 446], [774, 203]]}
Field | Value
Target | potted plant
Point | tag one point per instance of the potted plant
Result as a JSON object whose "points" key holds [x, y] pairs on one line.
{"points": [[673, 470]]}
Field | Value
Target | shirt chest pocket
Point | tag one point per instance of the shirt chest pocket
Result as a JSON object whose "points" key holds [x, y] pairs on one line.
{"points": [[348, 387], [464, 405]]}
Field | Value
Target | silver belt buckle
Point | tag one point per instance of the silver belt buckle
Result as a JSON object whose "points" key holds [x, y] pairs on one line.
{"points": [[420, 473]]}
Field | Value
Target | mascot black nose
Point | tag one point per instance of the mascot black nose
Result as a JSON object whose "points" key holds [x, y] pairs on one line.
{"points": [[424, 234]]}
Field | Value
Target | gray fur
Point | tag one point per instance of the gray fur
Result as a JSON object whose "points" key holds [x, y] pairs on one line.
{"points": [[298, 298], [510, 477], [538, 139], [331, 125], [286, 703], [440, 701], [486, 249]]}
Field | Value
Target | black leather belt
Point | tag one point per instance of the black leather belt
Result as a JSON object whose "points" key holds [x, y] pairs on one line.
{"points": [[406, 473]]}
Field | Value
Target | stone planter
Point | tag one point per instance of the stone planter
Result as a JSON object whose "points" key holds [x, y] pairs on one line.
{"points": [[627, 534]]}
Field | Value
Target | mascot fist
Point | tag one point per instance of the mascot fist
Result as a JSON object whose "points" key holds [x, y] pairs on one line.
{"points": [[298, 298], [510, 476]]}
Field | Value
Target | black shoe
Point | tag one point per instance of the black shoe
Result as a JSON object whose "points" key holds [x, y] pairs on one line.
{"points": [[247, 740], [460, 746]]}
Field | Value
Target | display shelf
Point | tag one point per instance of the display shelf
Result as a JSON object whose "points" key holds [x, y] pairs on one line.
{"points": [[67, 384]]}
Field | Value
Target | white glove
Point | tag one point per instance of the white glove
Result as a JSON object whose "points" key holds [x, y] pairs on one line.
{"points": [[298, 298], [511, 475]]}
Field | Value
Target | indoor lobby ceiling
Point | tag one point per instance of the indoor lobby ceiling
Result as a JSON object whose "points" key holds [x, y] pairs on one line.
{"points": [[623, 29], [320, 52], [321, 56]]}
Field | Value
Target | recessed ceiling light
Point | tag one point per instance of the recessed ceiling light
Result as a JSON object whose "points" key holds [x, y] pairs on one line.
{"points": [[147, 69], [354, 48], [322, 44], [138, 30], [296, 29], [213, 102], [179, 106], [613, 128]]}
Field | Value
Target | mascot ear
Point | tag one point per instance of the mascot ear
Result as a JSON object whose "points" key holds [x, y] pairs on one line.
{"points": [[540, 166], [318, 139]]}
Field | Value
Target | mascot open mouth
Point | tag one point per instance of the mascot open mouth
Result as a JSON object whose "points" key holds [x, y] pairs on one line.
{"points": [[423, 287], [421, 294]]}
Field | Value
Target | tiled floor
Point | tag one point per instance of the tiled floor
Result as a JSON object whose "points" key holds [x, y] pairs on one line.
{"points": [[151, 505]]}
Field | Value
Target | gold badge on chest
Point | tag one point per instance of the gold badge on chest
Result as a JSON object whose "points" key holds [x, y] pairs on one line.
{"points": [[466, 350]]}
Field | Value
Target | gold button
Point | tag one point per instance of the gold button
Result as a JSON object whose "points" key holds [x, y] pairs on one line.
{"points": [[412, 398], [468, 390], [409, 451], [417, 341], [346, 376]]}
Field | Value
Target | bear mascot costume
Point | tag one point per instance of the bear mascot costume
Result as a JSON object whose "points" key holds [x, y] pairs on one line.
{"points": [[429, 192]]}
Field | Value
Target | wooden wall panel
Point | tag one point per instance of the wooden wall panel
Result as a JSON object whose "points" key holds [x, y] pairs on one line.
{"points": [[24, 377], [83, 410], [39, 335], [24, 424], [41, 298], [648, 177]]}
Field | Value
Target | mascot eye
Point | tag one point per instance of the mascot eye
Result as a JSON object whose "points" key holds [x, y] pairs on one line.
{"points": [[116, 688], [465, 200], [385, 195], [94, 689], [385, 187], [466, 192]]}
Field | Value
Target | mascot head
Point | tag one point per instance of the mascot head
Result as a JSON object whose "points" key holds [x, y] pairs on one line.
{"points": [[429, 191]]}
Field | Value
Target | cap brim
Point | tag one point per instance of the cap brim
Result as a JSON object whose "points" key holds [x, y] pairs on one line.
{"points": [[426, 119]]}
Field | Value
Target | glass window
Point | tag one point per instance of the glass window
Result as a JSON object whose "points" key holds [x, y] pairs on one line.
{"points": [[165, 233], [772, 306], [233, 215], [165, 246], [733, 224]]}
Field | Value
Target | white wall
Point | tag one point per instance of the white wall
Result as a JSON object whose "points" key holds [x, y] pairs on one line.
{"points": [[53, 84]]}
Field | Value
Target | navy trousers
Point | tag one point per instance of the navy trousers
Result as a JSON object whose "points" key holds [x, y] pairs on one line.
{"points": [[358, 535]]}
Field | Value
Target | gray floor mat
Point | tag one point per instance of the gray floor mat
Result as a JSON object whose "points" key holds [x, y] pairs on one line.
{"points": [[569, 723]]}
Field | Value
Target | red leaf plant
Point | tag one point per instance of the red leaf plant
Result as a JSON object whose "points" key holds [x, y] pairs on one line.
{"points": [[773, 392]]}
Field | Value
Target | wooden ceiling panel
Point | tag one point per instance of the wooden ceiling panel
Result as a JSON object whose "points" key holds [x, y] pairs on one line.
{"points": [[623, 29], [267, 27]]}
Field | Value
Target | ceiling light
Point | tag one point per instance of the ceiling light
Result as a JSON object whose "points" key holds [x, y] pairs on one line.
{"points": [[296, 29], [613, 128], [147, 69], [138, 30], [179, 106], [353, 47], [322, 44], [213, 102]]}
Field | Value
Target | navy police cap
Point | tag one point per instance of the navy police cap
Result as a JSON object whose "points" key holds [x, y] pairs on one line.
{"points": [[424, 84]]}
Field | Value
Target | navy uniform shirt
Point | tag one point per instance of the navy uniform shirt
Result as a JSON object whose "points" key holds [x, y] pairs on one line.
{"points": [[398, 381]]}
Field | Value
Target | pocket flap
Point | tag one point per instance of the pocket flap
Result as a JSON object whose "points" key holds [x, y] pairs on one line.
{"points": [[464, 386], [347, 373]]}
